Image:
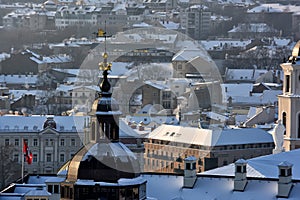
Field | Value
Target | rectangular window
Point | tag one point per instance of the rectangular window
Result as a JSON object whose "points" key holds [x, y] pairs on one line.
{"points": [[287, 81], [6, 142], [62, 142], [56, 189], [62, 157], [73, 142], [16, 157], [34, 157], [47, 142], [35, 142], [49, 157], [16, 142], [50, 188]]}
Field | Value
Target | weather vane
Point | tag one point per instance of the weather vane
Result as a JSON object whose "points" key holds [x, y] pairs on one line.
{"points": [[104, 66]]}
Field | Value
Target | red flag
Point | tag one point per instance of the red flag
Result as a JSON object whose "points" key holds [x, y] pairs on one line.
{"points": [[27, 152]]}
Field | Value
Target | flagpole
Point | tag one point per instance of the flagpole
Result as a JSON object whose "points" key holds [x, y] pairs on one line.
{"points": [[22, 158]]}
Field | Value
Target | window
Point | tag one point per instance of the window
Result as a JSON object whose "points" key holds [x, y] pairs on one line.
{"points": [[73, 143], [56, 189], [62, 142], [35, 142], [47, 142], [48, 157], [34, 157], [238, 169], [188, 166], [62, 157], [50, 188], [287, 81], [284, 120], [6, 142], [16, 142], [16, 157]]}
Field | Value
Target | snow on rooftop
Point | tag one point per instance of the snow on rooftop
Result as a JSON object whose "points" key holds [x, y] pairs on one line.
{"points": [[17, 94], [35, 123], [121, 182], [252, 27], [237, 2], [157, 84], [4, 56], [189, 54], [18, 79], [209, 188], [264, 166], [206, 137], [244, 74], [221, 44], [274, 7], [169, 25]]}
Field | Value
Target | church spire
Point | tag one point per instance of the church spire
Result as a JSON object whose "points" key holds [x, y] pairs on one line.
{"points": [[104, 66]]}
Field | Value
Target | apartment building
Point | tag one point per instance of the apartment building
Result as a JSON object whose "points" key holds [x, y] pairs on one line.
{"points": [[196, 21]]}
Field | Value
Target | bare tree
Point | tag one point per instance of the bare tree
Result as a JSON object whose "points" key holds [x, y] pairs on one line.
{"points": [[10, 169]]}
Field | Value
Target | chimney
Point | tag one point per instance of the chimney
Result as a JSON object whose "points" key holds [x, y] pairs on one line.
{"points": [[240, 178], [285, 179], [190, 176]]}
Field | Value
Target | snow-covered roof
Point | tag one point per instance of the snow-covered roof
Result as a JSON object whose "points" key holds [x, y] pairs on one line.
{"points": [[121, 182], [12, 123], [126, 131], [223, 44], [189, 54], [141, 25], [274, 8], [169, 25], [17, 94], [240, 94], [244, 74], [119, 6], [4, 56], [158, 85], [282, 41], [209, 188], [264, 166], [207, 137], [148, 118], [253, 27], [237, 2], [60, 58], [216, 116], [18, 79]]}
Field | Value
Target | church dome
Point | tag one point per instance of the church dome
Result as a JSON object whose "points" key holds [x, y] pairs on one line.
{"points": [[103, 162]]}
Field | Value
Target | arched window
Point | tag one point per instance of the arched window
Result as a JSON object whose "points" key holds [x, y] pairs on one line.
{"points": [[284, 120]]}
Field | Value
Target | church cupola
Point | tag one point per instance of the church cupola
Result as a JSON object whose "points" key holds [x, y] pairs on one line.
{"points": [[105, 110]]}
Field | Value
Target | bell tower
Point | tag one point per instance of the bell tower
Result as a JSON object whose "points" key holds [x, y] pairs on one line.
{"points": [[289, 101]]}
